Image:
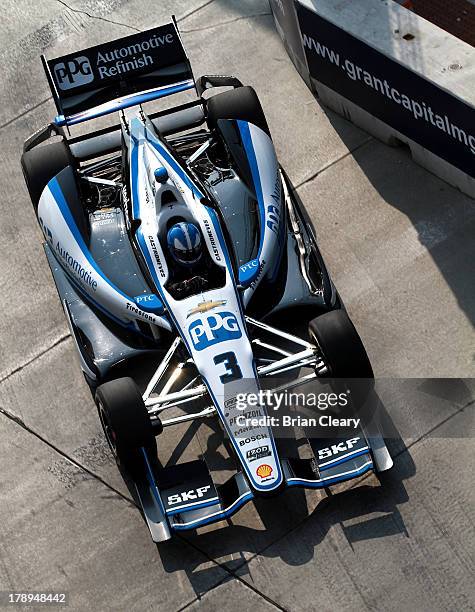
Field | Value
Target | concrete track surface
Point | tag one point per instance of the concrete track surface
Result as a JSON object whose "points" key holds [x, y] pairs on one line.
{"points": [[399, 243]]}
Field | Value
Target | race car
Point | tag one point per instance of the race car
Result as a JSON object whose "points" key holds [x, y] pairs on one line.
{"points": [[176, 241]]}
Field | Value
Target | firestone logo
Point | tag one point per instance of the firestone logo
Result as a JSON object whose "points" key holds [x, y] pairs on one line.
{"points": [[73, 73]]}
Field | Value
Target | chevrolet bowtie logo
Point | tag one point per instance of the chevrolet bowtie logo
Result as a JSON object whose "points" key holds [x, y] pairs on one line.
{"points": [[205, 307]]}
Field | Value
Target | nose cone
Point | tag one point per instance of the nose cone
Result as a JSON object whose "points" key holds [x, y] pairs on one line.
{"points": [[161, 175]]}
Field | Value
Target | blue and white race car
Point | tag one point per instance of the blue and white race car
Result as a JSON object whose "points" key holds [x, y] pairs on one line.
{"points": [[176, 241]]}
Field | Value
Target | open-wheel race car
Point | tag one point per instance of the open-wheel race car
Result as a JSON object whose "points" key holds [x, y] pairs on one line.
{"points": [[175, 241]]}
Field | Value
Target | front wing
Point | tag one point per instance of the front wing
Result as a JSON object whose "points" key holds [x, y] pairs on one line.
{"points": [[185, 497]]}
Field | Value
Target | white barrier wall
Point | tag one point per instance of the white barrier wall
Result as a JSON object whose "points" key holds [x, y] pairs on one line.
{"points": [[389, 71]]}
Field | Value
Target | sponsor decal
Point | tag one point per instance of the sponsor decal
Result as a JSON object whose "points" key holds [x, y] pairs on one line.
{"points": [[73, 73], [150, 318], [258, 453], [205, 307], [47, 232], [230, 403], [241, 431], [158, 261], [244, 416], [273, 210], [216, 328], [84, 275], [103, 215], [264, 471], [110, 61], [252, 439], [335, 449], [212, 240], [261, 267], [250, 265], [186, 496], [145, 298], [106, 221], [125, 200]]}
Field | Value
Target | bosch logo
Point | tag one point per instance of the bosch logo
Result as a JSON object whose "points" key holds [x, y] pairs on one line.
{"points": [[73, 73], [252, 439], [216, 328]]}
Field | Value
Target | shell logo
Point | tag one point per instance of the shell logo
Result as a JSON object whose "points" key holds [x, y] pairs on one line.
{"points": [[264, 470]]}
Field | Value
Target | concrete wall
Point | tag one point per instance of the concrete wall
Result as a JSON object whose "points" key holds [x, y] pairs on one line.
{"points": [[345, 50]]}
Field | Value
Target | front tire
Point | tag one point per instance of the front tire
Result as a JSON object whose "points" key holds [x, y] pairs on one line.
{"points": [[126, 423], [342, 348]]}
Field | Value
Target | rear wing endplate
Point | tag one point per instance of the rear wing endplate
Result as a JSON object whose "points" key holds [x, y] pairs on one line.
{"points": [[118, 74]]}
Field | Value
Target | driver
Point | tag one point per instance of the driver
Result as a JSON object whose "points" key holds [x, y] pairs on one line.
{"points": [[186, 248]]}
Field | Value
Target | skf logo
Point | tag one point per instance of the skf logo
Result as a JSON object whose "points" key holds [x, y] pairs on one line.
{"points": [[73, 73], [334, 449], [215, 328], [188, 495], [264, 471]]}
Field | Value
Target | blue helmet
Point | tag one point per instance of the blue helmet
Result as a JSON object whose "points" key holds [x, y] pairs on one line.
{"points": [[184, 242]]}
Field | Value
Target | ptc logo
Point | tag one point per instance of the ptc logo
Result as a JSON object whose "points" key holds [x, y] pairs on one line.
{"points": [[73, 73], [216, 328]]}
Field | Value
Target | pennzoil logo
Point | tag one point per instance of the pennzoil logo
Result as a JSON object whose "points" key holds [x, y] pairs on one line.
{"points": [[264, 471]]}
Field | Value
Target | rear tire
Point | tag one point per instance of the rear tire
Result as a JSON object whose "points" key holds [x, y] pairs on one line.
{"points": [[41, 164], [125, 422], [241, 103], [342, 348]]}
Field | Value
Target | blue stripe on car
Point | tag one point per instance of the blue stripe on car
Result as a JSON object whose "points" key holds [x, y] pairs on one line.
{"points": [[116, 105]]}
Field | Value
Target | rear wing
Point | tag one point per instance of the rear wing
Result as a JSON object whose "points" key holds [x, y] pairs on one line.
{"points": [[118, 74]]}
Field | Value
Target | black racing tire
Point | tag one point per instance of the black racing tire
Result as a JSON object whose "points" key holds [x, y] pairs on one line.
{"points": [[43, 163], [342, 348], [126, 423], [241, 103]]}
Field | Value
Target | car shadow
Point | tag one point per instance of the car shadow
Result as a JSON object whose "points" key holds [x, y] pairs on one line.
{"points": [[275, 526]]}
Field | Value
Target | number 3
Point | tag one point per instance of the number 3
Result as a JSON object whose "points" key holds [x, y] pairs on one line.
{"points": [[233, 371]]}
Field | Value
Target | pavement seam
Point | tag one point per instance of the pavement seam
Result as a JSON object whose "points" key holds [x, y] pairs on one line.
{"points": [[332, 163], [82, 12], [19, 421], [199, 598], [223, 23], [195, 10], [25, 112], [19, 368]]}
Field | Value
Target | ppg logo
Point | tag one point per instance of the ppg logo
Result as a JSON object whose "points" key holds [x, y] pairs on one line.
{"points": [[216, 328], [73, 73]]}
